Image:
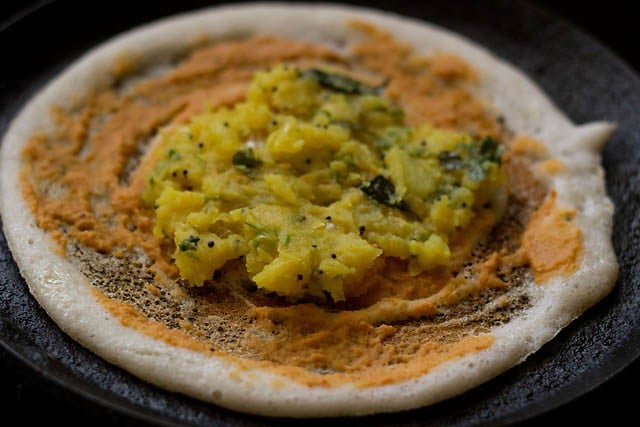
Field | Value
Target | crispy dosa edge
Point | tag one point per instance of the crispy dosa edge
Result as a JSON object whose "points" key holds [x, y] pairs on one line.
{"points": [[68, 298]]}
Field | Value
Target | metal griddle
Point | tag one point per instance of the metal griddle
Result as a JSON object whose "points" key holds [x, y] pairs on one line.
{"points": [[583, 77]]}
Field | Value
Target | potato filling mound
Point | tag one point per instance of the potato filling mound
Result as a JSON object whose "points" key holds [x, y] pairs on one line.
{"points": [[310, 180]]}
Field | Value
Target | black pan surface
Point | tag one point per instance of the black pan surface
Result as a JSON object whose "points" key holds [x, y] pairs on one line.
{"points": [[581, 374]]}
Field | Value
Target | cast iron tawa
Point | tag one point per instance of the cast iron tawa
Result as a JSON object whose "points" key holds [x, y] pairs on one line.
{"points": [[583, 77]]}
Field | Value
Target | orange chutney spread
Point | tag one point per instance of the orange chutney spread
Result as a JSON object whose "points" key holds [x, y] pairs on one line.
{"points": [[85, 182]]}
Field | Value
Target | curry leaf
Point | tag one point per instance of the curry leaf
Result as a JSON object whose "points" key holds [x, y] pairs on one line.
{"points": [[341, 83], [189, 244], [245, 159], [383, 191]]}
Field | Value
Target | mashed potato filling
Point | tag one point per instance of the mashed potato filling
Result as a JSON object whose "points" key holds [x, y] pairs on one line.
{"points": [[312, 178]]}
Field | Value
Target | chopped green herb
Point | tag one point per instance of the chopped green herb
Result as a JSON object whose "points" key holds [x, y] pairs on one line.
{"points": [[491, 150], [382, 144], [393, 135], [189, 244], [450, 160], [245, 160], [173, 154], [417, 152], [341, 83], [423, 236], [482, 155], [344, 124], [263, 236], [383, 191], [397, 112], [479, 158]]}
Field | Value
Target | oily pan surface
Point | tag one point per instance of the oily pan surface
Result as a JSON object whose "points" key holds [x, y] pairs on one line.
{"points": [[560, 123]]}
